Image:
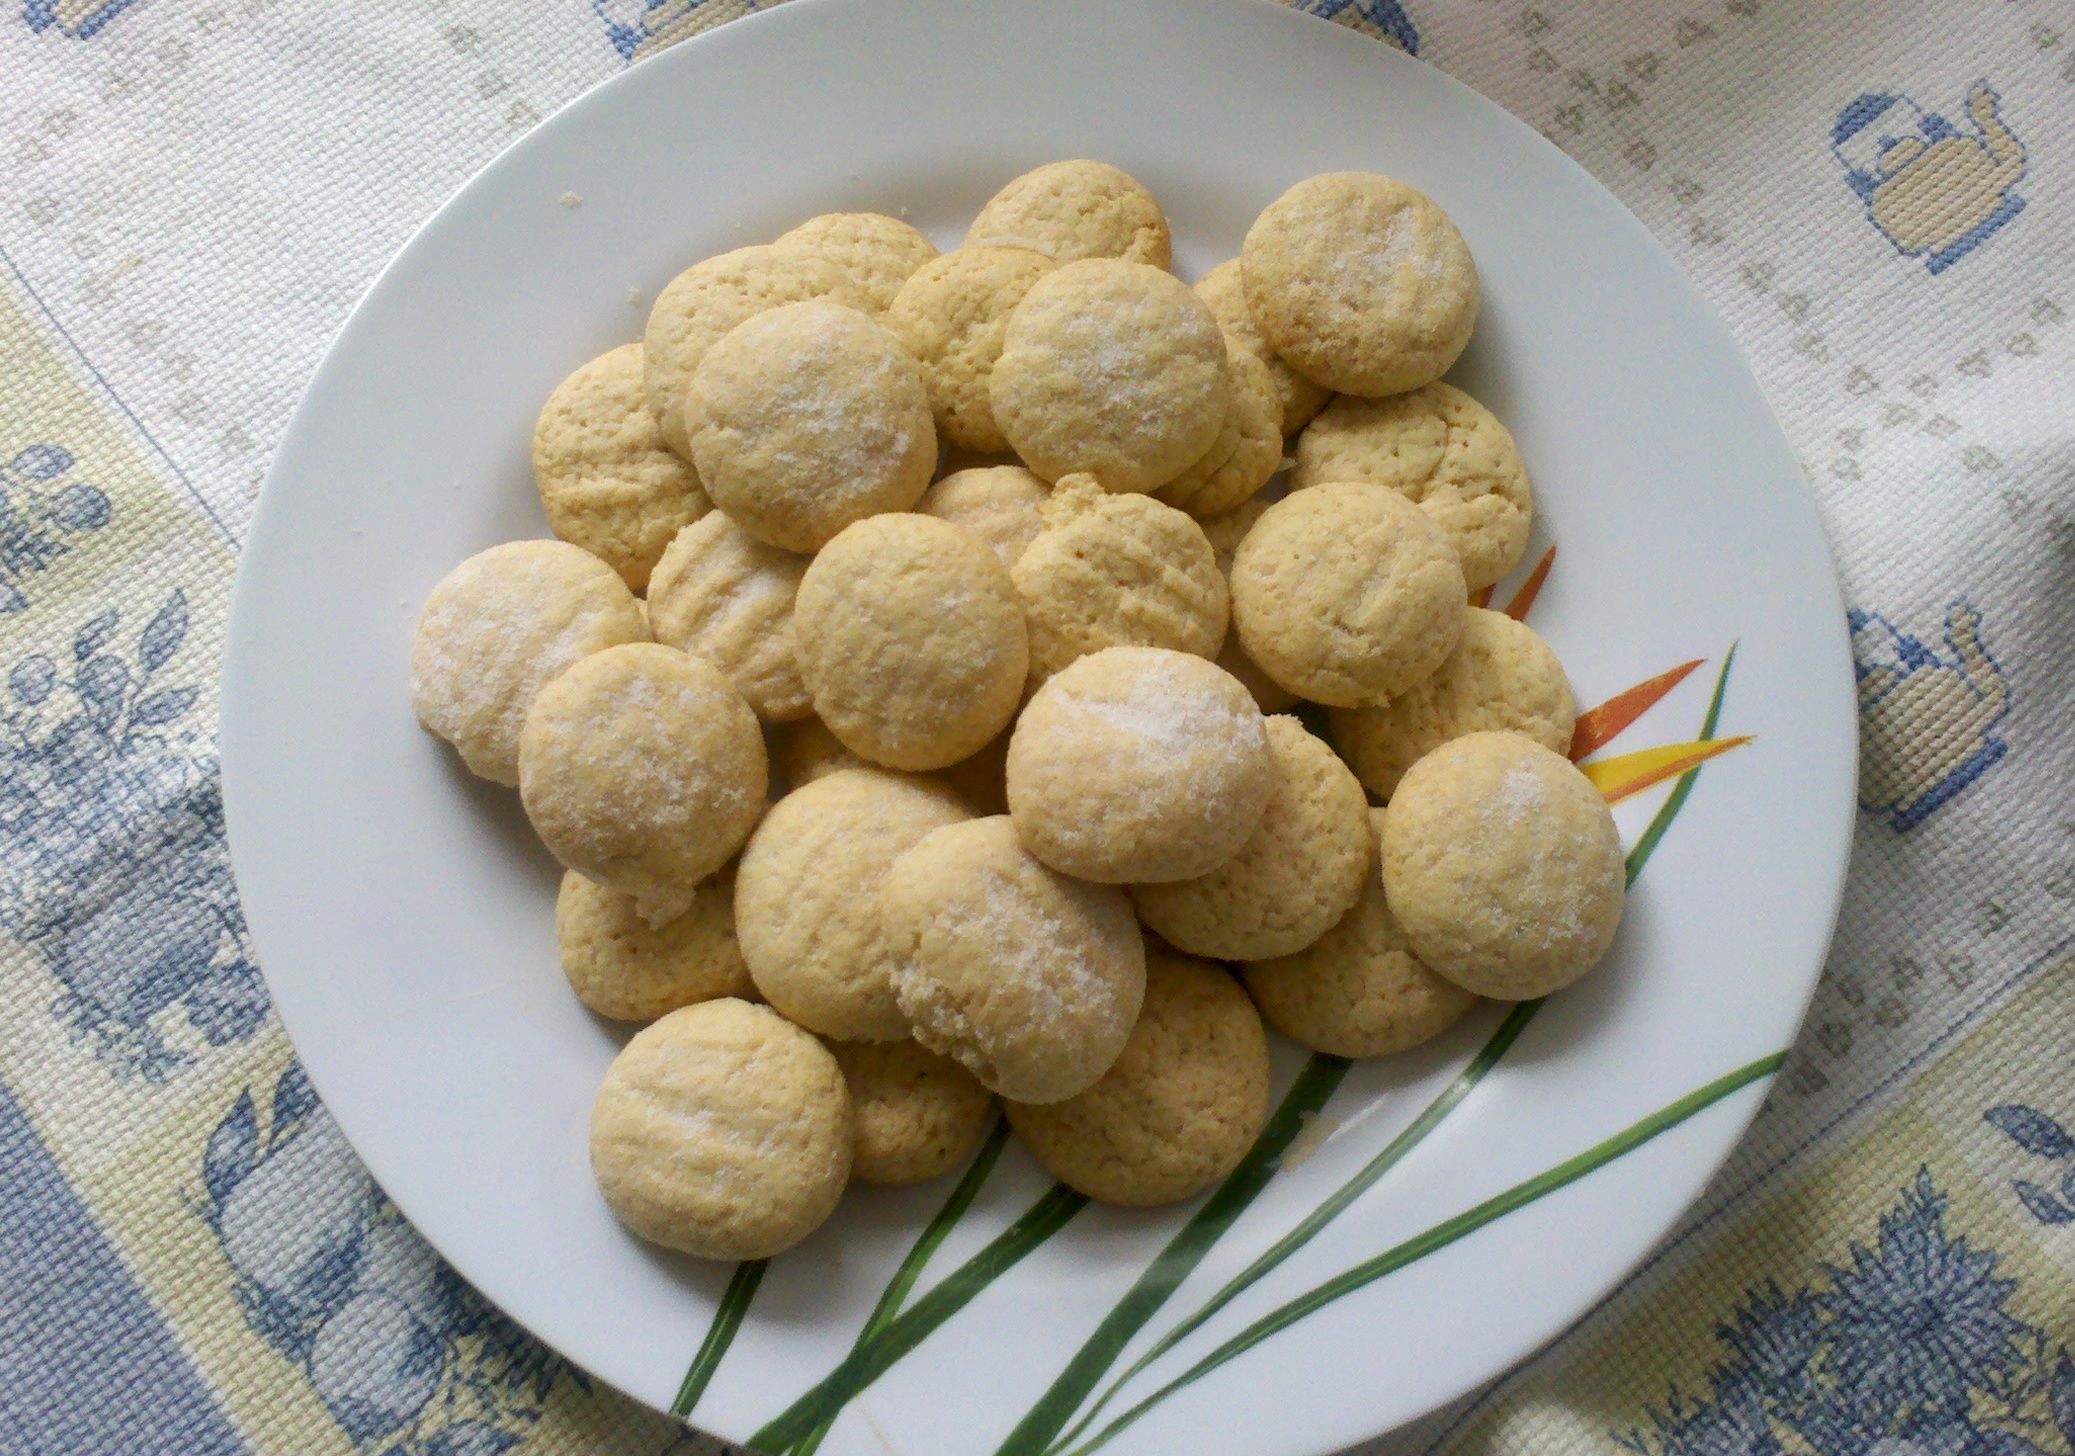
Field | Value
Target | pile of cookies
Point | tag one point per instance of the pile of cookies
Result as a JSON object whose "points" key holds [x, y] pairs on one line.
{"points": [[982, 553]]}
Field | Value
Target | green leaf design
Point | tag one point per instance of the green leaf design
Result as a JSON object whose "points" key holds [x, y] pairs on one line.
{"points": [[734, 1304], [1676, 800], [872, 1358], [1315, 1083], [897, 1288], [1038, 1428], [1441, 1235]]}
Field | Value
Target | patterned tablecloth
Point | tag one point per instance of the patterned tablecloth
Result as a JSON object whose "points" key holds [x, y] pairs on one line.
{"points": [[1874, 195]]}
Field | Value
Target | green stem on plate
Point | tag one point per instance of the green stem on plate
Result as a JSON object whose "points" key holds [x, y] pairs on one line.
{"points": [[1302, 1232], [1443, 1234], [897, 1288], [1044, 1420], [1315, 1083], [873, 1357], [734, 1304]]}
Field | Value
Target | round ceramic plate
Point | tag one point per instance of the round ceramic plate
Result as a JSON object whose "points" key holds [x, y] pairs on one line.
{"points": [[1463, 1202]]}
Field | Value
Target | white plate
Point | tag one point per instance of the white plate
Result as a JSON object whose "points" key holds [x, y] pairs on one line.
{"points": [[403, 912]]}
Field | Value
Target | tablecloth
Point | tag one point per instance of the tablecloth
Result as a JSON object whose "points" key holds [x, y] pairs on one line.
{"points": [[1874, 197]]}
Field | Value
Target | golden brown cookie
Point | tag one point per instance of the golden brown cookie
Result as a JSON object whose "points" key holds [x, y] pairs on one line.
{"points": [[911, 640], [607, 481], [1296, 875], [952, 316], [1224, 290], [724, 1131], [876, 252], [1346, 594], [622, 967], [643, 770], [1442, 451], [1184, 1101], [1030, 979], [1502, 677], [727, 598], [1360, 282], [1503, 866], [804, 750], [1358, 990], [997, 504], [1072, 210], [1116, 570], [1248, 450], [919, 1115]]}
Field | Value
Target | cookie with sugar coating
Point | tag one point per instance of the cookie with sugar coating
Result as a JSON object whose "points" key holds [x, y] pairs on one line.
{"points": [[1248, 450], [1116, 570], [727, 598], [723, 1131], [808, 417], [1358, 990], [1224, 289], [1360, 282], [622, 967], [999, 505], [1179, 1108], [708, 299], [1503, 866], [876, 252], [1029, 978], [1139, 764], [1347, 595], [497, 628], [1077, 209], [1441, 450], [607, 481], [1295, 876], [919, 1114], [1502, 677], [805, 897], [911, 641], [1111, 368], [952, 316], [642, 769]]}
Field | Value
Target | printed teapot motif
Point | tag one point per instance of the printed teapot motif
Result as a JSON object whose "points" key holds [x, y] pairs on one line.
{"points": [[1934, 191], [1924, 720]]}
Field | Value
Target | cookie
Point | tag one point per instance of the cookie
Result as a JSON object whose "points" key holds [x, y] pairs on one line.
{"points": [[1503, 866], [804, 750], [1177, 1111], [1112, 368], [1296, 875], [1223, 289], [723, 1131], [1442, 451], [805, 897], [1502, 677], [1073, 210], [622, 967], [876, 252], [1346, 594], [496, 628], [919, 1115], [911, 641], [1225, 532], [1028, 978], [1360, 282], [982, 778], [1227, 529], [1358, 990], [727, 598], [1139, 764], [1116, 570], [641, 769], [607, 481], [708, 299], [1248, 450], [806, 418], [952, 317], [995, 504]]}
